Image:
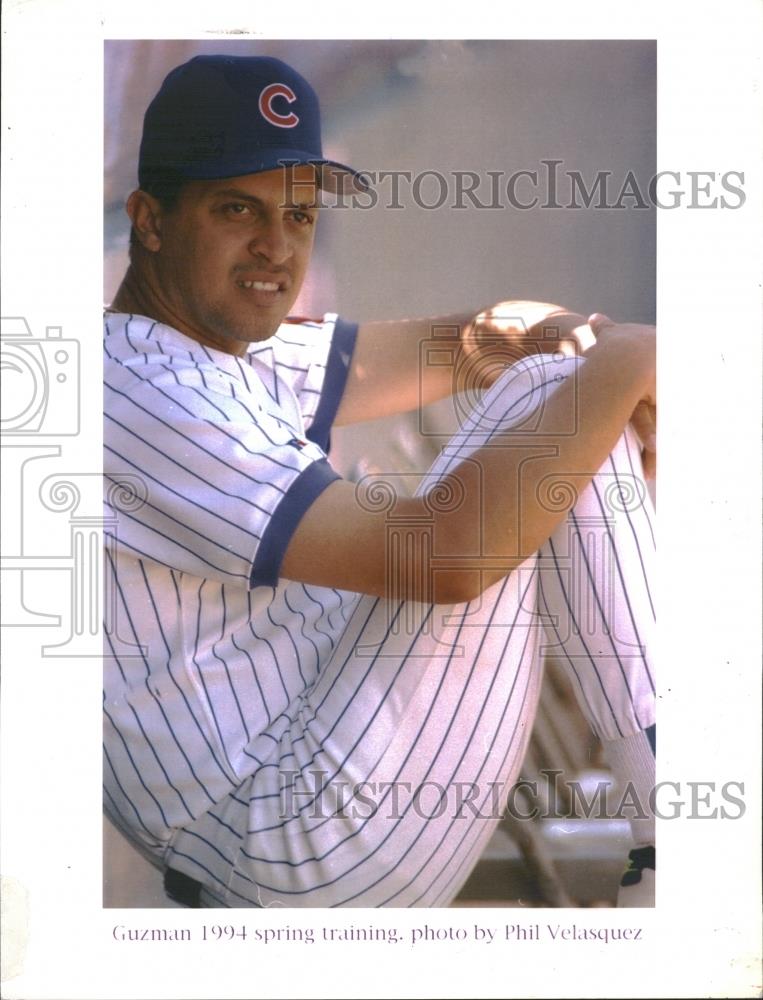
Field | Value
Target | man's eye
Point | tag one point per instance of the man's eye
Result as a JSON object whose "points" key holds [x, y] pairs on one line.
{"points": [[236, 208], [303, 218]]}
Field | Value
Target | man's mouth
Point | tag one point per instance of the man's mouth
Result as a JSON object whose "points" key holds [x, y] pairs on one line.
{"points": [[260, 286]]}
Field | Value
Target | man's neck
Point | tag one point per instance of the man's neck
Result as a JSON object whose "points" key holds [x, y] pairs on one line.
{"points": [[131, 298], [135, 296]]}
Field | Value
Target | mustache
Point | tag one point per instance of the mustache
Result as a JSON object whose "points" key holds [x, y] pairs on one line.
{"points": [[263, 267]]}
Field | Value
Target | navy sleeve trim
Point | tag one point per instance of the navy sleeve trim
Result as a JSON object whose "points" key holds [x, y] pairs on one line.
{"points": [[303, 492], [337, 370]]}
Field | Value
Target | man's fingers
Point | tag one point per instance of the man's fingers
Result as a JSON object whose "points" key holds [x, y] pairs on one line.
{"points": [[598, 322], [649, 462], [644, 422]]}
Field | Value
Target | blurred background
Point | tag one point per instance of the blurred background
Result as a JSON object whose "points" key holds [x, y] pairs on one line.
{"points": [[451, 106]]}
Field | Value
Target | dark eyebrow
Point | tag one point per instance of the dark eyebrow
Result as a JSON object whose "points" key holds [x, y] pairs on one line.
{"points": [[238, 195], [253, 200]]}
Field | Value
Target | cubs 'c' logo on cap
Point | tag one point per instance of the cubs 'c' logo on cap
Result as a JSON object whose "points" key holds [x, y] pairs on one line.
{"points": [[267, 97]]}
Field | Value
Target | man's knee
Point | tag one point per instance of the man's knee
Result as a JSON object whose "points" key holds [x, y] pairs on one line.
{"points": [[516, 400]]}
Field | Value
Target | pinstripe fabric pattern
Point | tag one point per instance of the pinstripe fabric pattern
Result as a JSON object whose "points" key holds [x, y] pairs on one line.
{"points": [[222, 445], [298, 746]]}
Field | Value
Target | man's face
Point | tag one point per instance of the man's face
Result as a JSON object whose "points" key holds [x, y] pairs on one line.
{"points": [[234, 253]]}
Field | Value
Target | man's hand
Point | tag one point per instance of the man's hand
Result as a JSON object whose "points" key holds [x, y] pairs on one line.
{"points": [[505, 333], [529, 328], [644, 418], [509, 331]]}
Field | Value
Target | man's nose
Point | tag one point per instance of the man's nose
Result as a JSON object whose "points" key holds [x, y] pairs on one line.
{"points": [[272, 241]]}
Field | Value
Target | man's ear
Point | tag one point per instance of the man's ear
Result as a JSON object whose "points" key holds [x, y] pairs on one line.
{"points": [[145, 214]]}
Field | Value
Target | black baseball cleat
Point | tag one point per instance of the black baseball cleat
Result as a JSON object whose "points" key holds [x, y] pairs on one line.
{"points": [[637, 883]]}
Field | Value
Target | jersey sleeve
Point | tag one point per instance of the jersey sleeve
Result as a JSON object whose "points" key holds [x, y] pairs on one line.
{"points": [[314, 357], [226, 478]]}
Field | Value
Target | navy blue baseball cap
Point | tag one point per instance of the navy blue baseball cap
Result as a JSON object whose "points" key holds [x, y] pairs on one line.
{"points": [[225, 116]]}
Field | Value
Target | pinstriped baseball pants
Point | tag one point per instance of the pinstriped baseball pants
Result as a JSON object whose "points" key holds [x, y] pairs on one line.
{"points": [[389, 773]]}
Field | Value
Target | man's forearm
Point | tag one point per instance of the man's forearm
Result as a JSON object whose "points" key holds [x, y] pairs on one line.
{"points": [[403, 364], [392, 366], [499, 519]]}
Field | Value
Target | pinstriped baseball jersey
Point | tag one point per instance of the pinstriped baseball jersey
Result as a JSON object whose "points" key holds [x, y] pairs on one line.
{"points": [[231, 452], [253, 701], [438, 706]]}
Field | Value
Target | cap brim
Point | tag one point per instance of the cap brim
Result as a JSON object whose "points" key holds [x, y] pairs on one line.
{"points": [[333, 176], [338, 178]]}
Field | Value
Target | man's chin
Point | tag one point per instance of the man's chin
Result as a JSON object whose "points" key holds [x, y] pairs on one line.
{"points": [[241, 331], [262, 323]]}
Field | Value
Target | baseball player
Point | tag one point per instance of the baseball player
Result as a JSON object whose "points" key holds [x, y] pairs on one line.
{"points": [[317, 693]]}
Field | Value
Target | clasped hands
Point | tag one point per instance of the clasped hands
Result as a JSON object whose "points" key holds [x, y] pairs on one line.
{"points": [[510, 330]]}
